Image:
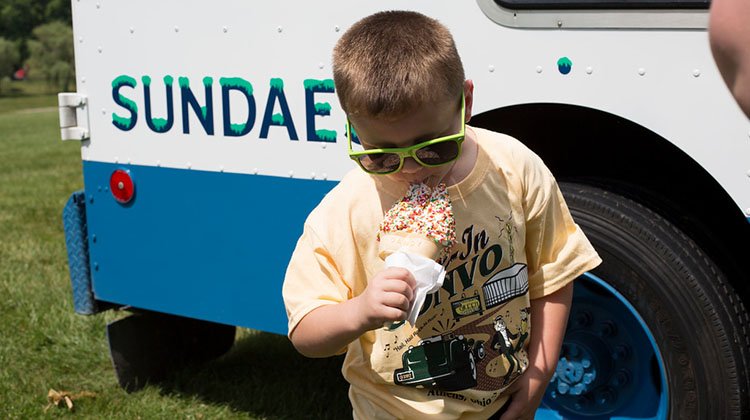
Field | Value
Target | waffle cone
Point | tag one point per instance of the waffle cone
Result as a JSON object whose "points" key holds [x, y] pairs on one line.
{"points": [[413, 243]]}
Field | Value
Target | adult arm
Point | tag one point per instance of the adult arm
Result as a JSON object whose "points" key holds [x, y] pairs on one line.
{"points": [[729, 33]]}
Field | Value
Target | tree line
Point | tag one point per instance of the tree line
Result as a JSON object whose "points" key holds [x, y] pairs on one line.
{"points": [[37, 37]]}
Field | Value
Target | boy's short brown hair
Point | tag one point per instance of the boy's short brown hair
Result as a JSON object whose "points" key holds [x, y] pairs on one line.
{"points": [[392, 62]]}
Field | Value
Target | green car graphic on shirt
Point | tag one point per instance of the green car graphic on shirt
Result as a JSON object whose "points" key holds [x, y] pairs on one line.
{"points": [[447, 362]]}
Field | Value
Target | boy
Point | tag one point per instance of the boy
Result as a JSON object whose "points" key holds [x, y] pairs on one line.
{"points": [[400, 80]]}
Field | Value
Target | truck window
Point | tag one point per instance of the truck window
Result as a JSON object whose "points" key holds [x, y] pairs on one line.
{"points": [[602, 4]]}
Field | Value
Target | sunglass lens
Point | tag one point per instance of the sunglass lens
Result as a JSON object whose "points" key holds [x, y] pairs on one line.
{"points": [[438, 153], [380, 162]]}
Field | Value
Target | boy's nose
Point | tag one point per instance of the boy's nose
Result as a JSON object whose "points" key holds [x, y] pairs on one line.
{"points": [[410, 166]]}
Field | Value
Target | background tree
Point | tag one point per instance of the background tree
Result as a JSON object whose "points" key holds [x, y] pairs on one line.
{"points": [[8, 59], [51, 54], [19, 17]]}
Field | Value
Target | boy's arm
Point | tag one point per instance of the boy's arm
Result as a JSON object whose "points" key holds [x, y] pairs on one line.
{"points": [[327, 329], [549, 316]]}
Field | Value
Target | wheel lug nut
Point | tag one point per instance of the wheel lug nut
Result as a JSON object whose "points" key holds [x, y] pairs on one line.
{"points": [[607, 329], [582, 402], [606, 396], [621, 352], [573, 350], [583, 318], [621, 378]]}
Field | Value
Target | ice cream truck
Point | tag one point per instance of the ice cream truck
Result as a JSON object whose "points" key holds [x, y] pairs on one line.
{"points": [[208, 132]]}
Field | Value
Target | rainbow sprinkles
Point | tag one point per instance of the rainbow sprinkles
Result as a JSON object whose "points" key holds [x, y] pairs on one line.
{"points": [[424, 213]]}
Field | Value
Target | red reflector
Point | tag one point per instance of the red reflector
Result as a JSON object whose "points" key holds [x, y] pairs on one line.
{"points": [[121, 185]]}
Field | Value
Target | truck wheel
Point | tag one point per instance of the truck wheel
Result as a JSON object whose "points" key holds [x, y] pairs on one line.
{"points": [[655, 331]]}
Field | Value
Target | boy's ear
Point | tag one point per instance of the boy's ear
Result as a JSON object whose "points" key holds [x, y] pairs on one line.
{"points": [[468, 97]]}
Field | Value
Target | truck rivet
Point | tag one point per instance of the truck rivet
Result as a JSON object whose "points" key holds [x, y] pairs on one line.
{"points": [[99, 49], [132, 30], [748, 173], [538, 69], [559, 24], [291, 174], [221, 168], [93, 238], [336, 28], [589, 70], [83, 80], [642, 71], [323, 145], [255, 171], [225, 29], [189, 165], [158, 163], [91, 200], [80, 39], [98, 6], [279, 29], [312, 175], [491, 68], [696, 73], [117, 159], [96, 266], [325, 176], [177, 29], [104, 111]]}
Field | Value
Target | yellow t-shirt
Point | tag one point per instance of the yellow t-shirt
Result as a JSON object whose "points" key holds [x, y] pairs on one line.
{"points": [[516, 241]]}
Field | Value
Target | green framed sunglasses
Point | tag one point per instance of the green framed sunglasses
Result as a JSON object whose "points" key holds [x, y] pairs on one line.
{"points": [[430, 153]]}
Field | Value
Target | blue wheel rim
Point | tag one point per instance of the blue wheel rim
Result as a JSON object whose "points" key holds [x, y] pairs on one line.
{"points": [[610, 366]]}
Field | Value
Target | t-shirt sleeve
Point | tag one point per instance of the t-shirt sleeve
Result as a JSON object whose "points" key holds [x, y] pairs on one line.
{"points": [[557, 249], [312, 279]]}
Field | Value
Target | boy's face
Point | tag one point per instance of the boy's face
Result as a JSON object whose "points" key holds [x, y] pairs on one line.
{"points": [[425, 123]]}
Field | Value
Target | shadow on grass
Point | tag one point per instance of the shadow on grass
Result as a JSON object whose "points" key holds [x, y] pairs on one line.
{"points": [[264, 376]]}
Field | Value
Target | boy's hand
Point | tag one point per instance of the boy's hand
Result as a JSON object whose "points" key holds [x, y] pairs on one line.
{"points": [[549, 316], [387, 298], [526, 394]]}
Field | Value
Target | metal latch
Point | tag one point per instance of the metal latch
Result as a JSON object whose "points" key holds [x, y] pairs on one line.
{"points": [[70, 104]]}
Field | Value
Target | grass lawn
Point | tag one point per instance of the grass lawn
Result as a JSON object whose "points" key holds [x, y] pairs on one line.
{"points": [[44, 344]]}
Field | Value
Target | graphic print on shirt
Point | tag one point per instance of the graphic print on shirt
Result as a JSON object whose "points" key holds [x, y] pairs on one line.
{"points": [[475, 337]]}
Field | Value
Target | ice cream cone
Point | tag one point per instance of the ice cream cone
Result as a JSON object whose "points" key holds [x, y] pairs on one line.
{"points": [[410, 242]]}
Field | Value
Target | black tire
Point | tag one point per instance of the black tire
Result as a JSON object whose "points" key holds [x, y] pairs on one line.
{"points": [[697, 319]]}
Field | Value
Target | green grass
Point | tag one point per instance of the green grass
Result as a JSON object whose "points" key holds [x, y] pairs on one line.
{"points": [[44, 344]]}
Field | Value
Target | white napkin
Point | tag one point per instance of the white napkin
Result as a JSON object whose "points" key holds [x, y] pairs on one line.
{"points": [[428, 274]]}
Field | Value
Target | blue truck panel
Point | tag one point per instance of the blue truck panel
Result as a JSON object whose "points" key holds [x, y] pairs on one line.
{"points": [[199, 244]]}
